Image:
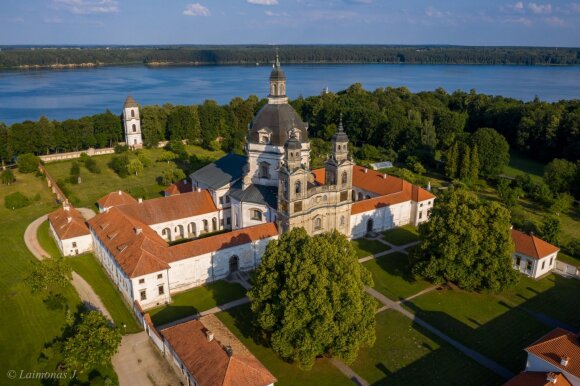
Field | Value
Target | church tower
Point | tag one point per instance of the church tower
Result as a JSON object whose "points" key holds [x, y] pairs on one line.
{"points": [[132, 123], [292, 184], [277, 84], [339, 165]]}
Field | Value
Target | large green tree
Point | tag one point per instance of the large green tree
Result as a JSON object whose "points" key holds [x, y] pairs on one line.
{"points": [[93, 342], [559, 174], [309, 298], [49, 274], [466, 242], [492, 151]]}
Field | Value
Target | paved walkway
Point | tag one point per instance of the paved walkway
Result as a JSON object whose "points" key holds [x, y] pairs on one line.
{"points": [[91, 300], [223, 307], [481, 359], [138, 362], [346, 370], [394, 248], [31, 239]]}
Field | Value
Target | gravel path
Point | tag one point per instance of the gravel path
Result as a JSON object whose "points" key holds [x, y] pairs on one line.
{"points": [[31, 240], [88, 295]]}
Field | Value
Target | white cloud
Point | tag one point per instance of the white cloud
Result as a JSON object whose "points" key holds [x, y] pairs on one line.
{"points": [[575, 7], [432, 12], [275, 14], [86, 7], [540, 9], [556, 21], [262, 2], [518, 20], [196, 9], [519, 6]]}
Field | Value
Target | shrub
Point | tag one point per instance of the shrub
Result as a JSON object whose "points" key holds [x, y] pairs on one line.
{"points": [[84, 157], [119, 149], [16, 200], [119, 165], [92, 166], [145, 161], [28, 163], [8, 177]]}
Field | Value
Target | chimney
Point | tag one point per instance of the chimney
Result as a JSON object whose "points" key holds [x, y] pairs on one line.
{"points": [[384, 176], [209, 335], [69, 219], [66, 207], [229, 351], [119, 192], [197, 189], [140, 200], [366, 170], [138, 231], [552, 377], [564, 361]]}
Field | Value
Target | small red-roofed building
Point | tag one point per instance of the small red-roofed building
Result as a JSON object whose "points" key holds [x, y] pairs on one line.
{"points": [[70, 231], [183, 186], [554, 359], [114, 199], [206, 353], [533, 256]]}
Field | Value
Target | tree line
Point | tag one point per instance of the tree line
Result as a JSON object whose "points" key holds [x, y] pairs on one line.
{"points": [[13, 57]]}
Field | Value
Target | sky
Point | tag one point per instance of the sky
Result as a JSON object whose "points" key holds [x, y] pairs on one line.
{"points": [[134, 22]]}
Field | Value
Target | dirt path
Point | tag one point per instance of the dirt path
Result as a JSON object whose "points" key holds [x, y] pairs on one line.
{"points": [[31, 239], [138, 362], [88, 295]]}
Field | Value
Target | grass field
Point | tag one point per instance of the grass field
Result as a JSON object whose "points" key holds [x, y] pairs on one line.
{"points": [[402, 235], [46, 241], [95, 186], [405, 354], [392, 277], [238, 320], [197, 300], [519, 165], [366, 247], [482, 322], [27, 323], [90, 269]]}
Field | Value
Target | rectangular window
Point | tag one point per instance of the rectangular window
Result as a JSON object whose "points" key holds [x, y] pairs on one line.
{"points": [[298, 206], [74, 244], [518, 260], [543, 264], [160, 276], [256, 215], [229, 220], [343, 196], [222, 223], [141, 281], [529, 266], [551, 261], [161, 290], [421, 214], [227, 199], [221, 200], [421, 205], [143, 295]]}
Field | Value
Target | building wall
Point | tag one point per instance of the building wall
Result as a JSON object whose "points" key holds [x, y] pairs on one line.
{"points": [[273, 155], [420, 211], [535, 363], [132, 138], [383, 218], [185, 223], [538, 267], [67, 246], [150, 284]]}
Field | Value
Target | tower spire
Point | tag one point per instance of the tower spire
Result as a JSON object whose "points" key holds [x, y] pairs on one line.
{"points": [[340, 127], [277, 65]]}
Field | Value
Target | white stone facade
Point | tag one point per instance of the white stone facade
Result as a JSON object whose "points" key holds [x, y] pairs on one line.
{"points": [[74, 245], [534, 268]]}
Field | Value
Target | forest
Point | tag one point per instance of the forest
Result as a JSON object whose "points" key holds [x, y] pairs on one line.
{"points": [[23, 57]]}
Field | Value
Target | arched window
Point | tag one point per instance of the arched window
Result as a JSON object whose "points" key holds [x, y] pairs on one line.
{"points": [[338, 147], [132, 113], [166, 233], [274, 89], [205, 226], [282, 89], [179, 232], [360, 196], [214, 224], [317, 223], [134, 128], [344, 178], [192, 229], [298, 187], [264, 170], [341, 221]]}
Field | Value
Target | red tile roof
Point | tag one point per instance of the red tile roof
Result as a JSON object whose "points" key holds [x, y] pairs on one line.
{"points": [[223, 241], [136, 247], [183, 186], [531, 245], [533, 378], [557, 344], [209, 362], [115, 199], [163, 209], [68, 223]]}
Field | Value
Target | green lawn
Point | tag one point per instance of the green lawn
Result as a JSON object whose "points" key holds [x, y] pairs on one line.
{"points": [[553, 296], [197, 300], [238, 320], [402, 235], [405, 354], [392, 277], [366, 247], [568, 259], [482, 322], [27, 322], [46, 240], [521, 165], [95, 186], [90, 269]]}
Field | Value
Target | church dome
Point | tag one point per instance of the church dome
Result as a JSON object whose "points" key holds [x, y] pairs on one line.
{"points": [[277, 73], [277, 120]]}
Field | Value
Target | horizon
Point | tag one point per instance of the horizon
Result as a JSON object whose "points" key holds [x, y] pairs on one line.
{"points": [[497, 23]]}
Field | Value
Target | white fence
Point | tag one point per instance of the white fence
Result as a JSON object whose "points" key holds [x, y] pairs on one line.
{"points": [[567, 270], [76, 154]]}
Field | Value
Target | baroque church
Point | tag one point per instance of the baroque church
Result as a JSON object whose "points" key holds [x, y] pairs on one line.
{"points": [[239, 204]]}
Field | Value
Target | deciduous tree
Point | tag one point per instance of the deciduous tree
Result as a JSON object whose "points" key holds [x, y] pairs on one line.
{"points": [[493, 151], [309, 298]]}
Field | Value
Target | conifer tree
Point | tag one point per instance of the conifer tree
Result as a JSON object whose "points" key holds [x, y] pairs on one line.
{"points": [[452, 160], [474, 172], [465, 169]]}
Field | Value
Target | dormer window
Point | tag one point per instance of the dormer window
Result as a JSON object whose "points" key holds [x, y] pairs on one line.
{"points": [[264, 136], [264, 139]]}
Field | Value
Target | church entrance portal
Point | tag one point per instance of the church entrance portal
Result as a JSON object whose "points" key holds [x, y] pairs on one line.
{"points": [[234, 263], [370, 224]]}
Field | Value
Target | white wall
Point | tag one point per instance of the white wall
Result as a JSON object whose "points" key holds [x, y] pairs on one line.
{"points": [[184, 222], [74, 245], [536, 264], [150, 283], [384, 218], [420, 211]]}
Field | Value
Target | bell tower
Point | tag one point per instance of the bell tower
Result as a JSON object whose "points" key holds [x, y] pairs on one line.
{"points": [[339, 165], [132, 123], [277, 84]]}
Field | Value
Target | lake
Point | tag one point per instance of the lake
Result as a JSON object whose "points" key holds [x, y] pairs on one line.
{"points": [[72, 93]]}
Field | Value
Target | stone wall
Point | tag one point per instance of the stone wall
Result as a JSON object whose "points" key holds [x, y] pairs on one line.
{"points": [[76, 154]]}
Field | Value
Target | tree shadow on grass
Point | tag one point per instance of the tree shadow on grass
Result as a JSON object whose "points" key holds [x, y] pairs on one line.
{"points": [[172, 313]]}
